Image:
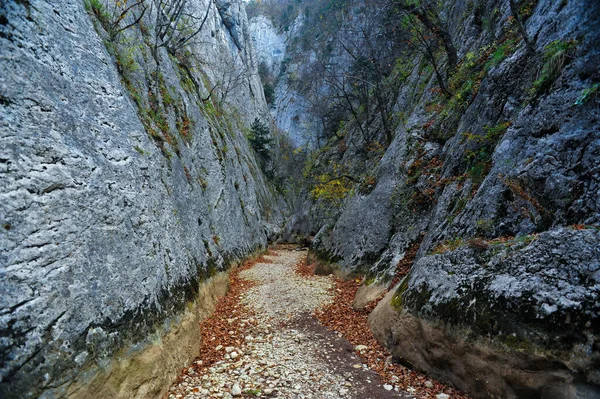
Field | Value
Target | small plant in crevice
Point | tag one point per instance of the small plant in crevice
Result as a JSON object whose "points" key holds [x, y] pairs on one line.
{"points": [[117, 16], [183, 123], [188, 175], [448, 245], [556, 55], [484, 226], [367, 184], [517, 188], [422, 181], [587, 94], [480, 148], [203, 183], [500, 53]]}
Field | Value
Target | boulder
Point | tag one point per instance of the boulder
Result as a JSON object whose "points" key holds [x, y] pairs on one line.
{"points": [[366, 294], [516, 319]]}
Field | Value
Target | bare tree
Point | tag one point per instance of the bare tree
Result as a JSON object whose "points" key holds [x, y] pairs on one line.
{"points": [[121, 11], [424, 45], [177, 24], [235, 72], [358, 75], [114, 15], [428, 14], [514, 9]]}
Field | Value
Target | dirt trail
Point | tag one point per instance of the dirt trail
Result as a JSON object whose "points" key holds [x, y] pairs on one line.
{"points": [[277, 348]]}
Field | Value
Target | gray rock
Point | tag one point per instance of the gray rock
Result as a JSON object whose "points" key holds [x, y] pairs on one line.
{"points": [[105, 233], [492, 314], [540, 176], [236, 390]]}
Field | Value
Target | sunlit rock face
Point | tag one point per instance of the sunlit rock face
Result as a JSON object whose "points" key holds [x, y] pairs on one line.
{"points": [[113, 209], [269, 44]]}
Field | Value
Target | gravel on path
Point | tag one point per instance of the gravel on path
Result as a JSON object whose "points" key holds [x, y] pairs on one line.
{"points": [[280, 351]]}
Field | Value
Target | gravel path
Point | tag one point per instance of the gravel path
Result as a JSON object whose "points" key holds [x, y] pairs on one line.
{"points": [[285, 352]]}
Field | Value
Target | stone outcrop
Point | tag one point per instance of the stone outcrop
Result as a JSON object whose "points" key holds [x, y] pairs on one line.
{"points": [[126, 184], [517, 319], [270, 45]]}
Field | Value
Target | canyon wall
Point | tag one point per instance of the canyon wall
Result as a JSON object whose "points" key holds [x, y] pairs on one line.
{"points": [[481, 214], [128, 187]]}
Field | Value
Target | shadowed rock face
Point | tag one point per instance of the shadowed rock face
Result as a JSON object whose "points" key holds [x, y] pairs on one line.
{"points": [[541, 174], [105, 233], [543, 168]]}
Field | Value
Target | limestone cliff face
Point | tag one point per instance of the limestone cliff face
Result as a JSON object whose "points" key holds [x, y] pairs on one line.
{"points": [[269, 43], [289, 109], [124, 186], [533, 131]]}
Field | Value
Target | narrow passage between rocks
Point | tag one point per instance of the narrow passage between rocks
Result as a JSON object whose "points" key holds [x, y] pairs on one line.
{"points": [[264, 341]]}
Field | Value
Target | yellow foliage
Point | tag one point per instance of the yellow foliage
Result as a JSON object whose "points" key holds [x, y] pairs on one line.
{"points": [[331, 190], [332, 187]]}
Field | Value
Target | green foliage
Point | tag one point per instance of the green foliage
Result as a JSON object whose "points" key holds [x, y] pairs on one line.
{"points": [[423, 178], [489, 21], [463, 83], [480, 150], [268, 82], [500, 53], [331, 188], [165, 94], [113, 14], [183, 123], [125, 58], [369, 280], [448, 245], [269, 91], [587, 94], [367, 184], [556, 55], [97, 8], [260, 141], [397, 300]]}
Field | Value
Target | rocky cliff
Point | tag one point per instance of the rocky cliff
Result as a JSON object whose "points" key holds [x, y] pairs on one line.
{"points": [[486, 193], [289, 105], [127, 185]]}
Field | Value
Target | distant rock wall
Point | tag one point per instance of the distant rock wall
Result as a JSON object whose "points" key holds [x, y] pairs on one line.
{"points": [[123, 188], [270, 45], [290, 109]]}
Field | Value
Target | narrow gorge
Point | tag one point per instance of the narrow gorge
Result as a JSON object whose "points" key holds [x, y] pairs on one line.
{"points": [[300, 199]]}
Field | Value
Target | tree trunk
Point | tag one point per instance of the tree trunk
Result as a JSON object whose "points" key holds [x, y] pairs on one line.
{"points": [[514, 9]]}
